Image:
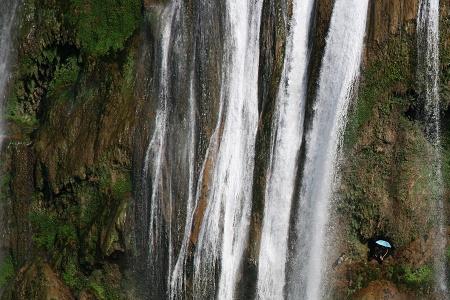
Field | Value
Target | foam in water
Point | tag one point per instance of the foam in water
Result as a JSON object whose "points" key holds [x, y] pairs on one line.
{"points": [[225, 226], [428, 76], [285, 145], [339, 73]]}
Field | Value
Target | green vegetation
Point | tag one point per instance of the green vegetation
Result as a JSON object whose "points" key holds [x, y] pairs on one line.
{"points": [[96, 283], [103, 291], [390, 68], [361, 276], [6, 271], [72, 276], [14, 113], [121, 188], [49, 229], [447, 253], [98, 290], [64, 80], [389, 163], [73, 90], [129, 69], [418, 279], [73, 237], [103, 26], [90, 204]]}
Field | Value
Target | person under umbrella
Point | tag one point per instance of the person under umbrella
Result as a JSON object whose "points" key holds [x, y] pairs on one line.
{"points": [[379, 249]]}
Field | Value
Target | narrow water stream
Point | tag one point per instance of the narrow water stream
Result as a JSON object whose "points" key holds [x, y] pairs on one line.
{"points": [[339, 73]]}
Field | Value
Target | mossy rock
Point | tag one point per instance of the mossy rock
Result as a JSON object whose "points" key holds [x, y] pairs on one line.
{"points": [[103, 26]]}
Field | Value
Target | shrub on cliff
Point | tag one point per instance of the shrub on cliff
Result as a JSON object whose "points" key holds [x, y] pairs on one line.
{"points": [[103, 26]]}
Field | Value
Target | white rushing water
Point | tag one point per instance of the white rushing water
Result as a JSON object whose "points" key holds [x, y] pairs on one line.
{"points": [[178, 279], [287, 133], [339, 73], [225, 226], [428, 76], [155, 155]]}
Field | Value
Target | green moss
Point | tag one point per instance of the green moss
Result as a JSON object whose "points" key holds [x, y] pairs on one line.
{"points": [[129, 70], [49, 229], [101, 287], [103, 292], [6, 271], [419, 279], [64, 80], [65, 87], [103, 26], [90, 204], [121, 188], [15, 114], [362, 275], [391, 67], [45, 230], [72, 276], [98, 290]]}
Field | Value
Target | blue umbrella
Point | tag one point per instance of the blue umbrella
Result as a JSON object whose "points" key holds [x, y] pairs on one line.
{"points": [[383, 243]]}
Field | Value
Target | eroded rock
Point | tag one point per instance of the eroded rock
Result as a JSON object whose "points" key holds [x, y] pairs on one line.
{"points": [[39, 282]]}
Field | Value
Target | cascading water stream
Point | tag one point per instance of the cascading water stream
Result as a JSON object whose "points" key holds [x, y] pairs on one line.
{"points": [[339, 73], [225, 225], [285, 144], [154, 158], [428, 76], [177, 279]]}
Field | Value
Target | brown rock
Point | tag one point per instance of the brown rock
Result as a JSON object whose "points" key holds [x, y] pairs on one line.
{"points": [[418, 252], [382, 289], [39, 282], [388, 16], [151, 3], [86, 295]]}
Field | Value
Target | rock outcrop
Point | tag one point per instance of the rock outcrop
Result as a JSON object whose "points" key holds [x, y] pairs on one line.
{"points": [[37, 281]]}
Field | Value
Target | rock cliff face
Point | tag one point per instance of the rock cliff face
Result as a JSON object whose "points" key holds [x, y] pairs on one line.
{"points": [[81, 109], [385, 175], [68, 158]]}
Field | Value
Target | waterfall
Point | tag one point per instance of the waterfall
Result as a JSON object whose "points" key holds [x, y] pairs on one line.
{"points": [[225, 225], [177, 280], [428, 77], [285, 145], [339, 73], [153, 191]]}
